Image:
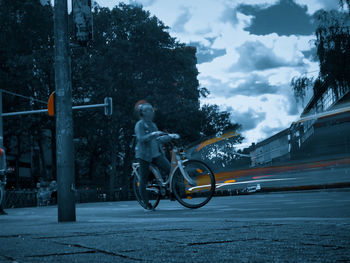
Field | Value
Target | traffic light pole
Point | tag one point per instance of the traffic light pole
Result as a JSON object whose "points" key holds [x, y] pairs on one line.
{"points": [[80, 107], [64, 119]]}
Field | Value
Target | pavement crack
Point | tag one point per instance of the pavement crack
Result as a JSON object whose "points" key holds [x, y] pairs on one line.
{"points": [[8, 258], [324, 245], [61, 254], [10, 236], [100, 251], [171, 229], [222, 241]]}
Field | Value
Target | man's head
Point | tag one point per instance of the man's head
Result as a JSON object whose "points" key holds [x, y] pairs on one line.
{"points": [[145, 110]]}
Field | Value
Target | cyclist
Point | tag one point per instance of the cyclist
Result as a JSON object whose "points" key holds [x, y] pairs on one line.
{"points": [[148, 146]]}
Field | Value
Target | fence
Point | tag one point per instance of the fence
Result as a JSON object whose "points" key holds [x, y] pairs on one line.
{"points": [[43, 197]]}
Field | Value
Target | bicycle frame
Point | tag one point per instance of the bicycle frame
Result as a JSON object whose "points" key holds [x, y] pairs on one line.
{"points": [[176, 163]]}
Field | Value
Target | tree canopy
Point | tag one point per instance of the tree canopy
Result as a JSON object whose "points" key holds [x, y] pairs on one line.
{"points": [[333, 51], [131, 57]]}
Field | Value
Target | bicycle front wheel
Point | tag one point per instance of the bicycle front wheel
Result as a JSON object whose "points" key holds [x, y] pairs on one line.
{"points": [[197, 191], [153, 191]]}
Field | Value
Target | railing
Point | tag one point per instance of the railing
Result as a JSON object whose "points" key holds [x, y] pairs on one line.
{"points": [[44, 197], [20, 198]]}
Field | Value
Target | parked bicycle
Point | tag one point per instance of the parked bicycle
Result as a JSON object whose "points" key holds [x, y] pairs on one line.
{"points": [[191, 182]]}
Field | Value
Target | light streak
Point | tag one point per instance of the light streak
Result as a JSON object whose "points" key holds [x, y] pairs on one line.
{"points": [[242, 182]]}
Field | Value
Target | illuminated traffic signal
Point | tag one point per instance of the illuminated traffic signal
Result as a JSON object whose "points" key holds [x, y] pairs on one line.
{"points": [[51, 105], [82, 21]]}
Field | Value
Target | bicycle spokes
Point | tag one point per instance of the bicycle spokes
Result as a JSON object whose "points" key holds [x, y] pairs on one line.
{"points": [[201, 187]]}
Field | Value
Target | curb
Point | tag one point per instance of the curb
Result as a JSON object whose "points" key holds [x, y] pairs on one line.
{"points": [[305, 187]]}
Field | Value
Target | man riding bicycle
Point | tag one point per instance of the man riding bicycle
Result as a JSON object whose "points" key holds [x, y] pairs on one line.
{"points": [[148, 146]]}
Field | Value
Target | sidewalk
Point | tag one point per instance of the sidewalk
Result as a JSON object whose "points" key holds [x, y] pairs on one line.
{"points": [[290, 227]]}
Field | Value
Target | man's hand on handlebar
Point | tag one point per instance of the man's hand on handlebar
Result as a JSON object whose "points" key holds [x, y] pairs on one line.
{"points": [[174, 136], [158, 133]]}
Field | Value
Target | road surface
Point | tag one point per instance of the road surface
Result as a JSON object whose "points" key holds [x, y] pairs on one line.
{"points": [[306, 226]]}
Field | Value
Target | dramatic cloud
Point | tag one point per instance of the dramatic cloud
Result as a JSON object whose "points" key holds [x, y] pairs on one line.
{"points": [[284, 18], [230, 15], [254, 85], [269, 131], [329, 4], [185, 16], [207, 54], [256, 56], [249, 119], [311, 54]]}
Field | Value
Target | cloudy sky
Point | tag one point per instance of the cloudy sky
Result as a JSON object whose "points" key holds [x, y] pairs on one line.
{"points": [[247, 52]]}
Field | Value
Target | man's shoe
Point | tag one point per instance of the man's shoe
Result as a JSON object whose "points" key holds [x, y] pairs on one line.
{"points": [[172, 197]]}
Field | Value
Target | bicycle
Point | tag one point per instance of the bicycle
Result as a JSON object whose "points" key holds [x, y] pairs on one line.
{"points": [[191, 182]]}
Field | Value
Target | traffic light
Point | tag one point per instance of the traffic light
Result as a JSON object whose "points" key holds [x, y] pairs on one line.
{"points": [[51, 105], [109, 106], [82, 20]]}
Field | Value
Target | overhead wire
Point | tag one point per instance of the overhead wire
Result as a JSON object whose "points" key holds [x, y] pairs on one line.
{"points": [[22, 96]]}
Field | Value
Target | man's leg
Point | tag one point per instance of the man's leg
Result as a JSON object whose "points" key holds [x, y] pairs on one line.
{"points": [[162, 163], [144, 172]]}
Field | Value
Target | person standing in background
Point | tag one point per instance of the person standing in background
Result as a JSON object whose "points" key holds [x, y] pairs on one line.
{"points": [[2, 180]]}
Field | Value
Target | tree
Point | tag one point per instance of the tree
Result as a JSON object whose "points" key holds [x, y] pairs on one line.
{"points": [[26, 67], [333, 51], [215, 123]]}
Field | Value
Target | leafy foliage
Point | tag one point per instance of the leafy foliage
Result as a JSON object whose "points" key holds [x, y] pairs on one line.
{"points": [[131, 57], [333, 51]]}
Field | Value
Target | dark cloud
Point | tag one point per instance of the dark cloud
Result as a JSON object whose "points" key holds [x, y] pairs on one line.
{"points": [[311, 54], [184, 17], [254, 85], [207, 54], [249, 119], [284, 18], [254, 55]]}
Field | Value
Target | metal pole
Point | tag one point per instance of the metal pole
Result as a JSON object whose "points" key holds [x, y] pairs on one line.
{"points": [[64, 119], [45, 110]]}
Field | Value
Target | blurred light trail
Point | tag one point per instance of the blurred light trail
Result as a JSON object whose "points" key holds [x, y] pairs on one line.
{"points": [[344, 108], [242, 182]]}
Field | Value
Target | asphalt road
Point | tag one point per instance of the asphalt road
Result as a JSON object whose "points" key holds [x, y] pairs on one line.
{"points": [[307, 226]]}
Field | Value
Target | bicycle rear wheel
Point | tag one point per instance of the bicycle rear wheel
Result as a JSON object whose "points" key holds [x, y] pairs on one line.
{"points": [[198, 194], [153, 191]]}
